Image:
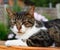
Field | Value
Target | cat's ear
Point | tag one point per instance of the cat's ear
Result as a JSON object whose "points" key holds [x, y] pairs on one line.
{"points": [[31, 10], [10, 13]]}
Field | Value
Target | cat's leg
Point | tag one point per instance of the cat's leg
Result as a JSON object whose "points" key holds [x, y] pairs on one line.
{"points": [[15, 43]]}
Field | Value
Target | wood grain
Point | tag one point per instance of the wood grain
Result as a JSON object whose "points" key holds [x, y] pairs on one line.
{"points": [[26, 48]]}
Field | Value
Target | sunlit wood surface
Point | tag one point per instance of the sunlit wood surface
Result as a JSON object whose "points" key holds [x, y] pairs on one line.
{"points": [[26, 48], [3, 47]]}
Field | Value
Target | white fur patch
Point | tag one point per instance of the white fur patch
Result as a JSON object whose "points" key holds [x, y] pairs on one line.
{"points": [[10, 36], [31, 31], [14, 29], [15, 43], [53, 45]]}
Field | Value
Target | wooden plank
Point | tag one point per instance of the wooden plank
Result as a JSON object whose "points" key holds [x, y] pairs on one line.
{"points": [[26, 48]]}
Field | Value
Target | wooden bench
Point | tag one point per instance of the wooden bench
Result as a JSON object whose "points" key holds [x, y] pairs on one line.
{"points": [[26, 48], [3, 47]]}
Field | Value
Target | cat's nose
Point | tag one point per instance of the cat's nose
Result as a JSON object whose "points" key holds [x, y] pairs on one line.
{"points": [[23, 28]]}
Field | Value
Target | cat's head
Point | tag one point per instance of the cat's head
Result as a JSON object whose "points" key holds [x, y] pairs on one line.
{"points": [[25, 18]]}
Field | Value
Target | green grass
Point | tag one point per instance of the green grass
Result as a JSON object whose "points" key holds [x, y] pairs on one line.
{"points": [[47, 16], [3, 31]]}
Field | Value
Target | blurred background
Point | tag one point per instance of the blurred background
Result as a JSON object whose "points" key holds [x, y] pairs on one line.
{"points": [[49, 8]]}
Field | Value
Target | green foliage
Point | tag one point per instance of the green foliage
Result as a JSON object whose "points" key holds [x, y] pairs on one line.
{"points": [[16, 7], [42, 3], [45, 3], [3, 31]]}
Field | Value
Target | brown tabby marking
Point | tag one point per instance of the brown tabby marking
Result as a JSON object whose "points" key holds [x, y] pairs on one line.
{"points": [[21, 18], [55, 34]]}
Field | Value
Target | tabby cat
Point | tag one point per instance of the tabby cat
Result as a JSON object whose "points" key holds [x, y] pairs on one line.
{"points": [[36, 34]]}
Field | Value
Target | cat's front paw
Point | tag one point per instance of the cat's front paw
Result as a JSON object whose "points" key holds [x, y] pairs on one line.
{"points": [[15, 43], [12, 43], [7, 43]]}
